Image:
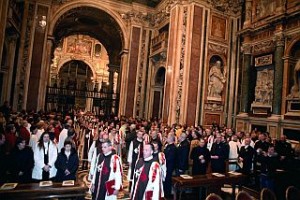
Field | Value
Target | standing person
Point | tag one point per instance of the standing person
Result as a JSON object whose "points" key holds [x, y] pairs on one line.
{"points": [[269, 164], [10, 138], [183, 149], [146, 180], [2, 159], [67, 163], [219, 153], [21, 162], [5, 109], [130, 136], [160, 157], [134, 154], [234, 148], [93, 153], [201, 157], [171, 155], [246, 155], [45, 155], [108, 177], [285, 152], [62, 137], [24, 132], [87, 143]]}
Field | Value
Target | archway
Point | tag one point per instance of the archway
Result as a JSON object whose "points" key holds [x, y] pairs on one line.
{"points": [[96, 22], [158, 92]]}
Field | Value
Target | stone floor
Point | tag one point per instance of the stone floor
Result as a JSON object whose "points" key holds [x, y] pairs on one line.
{"points": [[124, 194]]}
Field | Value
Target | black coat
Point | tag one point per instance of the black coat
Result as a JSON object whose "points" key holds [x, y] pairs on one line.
{"points": [[21, 161], [130, 136], [171, 155], [62, 163], [170, 152], [198, 166], [183, 150], [247, 154], [222, 151]]}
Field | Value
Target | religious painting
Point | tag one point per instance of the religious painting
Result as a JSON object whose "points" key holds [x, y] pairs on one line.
{"points": [[79, 46], [239, 126], [218, 27]]}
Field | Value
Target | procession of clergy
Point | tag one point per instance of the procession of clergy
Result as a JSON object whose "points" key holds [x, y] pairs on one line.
{"points": [[50, 145]]}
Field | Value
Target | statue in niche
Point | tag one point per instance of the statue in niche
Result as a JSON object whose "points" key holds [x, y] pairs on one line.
{"points": [[216, 80], [295, 93]]}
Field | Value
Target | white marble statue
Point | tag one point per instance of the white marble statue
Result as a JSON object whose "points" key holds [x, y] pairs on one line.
{"points": [[216, 81]]}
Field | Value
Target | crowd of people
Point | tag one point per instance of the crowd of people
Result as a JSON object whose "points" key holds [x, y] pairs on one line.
{"points": [[53, 146]]}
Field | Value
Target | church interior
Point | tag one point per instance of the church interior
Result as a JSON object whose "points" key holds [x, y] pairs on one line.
{"points": [[231, 63]]}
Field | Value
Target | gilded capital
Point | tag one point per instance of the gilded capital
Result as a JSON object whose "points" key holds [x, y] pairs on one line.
{"points": [[246, 49], [279, 39]]}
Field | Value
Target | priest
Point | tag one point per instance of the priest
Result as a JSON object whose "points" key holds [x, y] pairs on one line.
{"points": [[146, 180], [107, 180]]}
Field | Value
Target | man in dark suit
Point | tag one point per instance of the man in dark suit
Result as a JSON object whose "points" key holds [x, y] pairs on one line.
{"points": [[285, 152], [219, 154], [246, 155], [170, 154], [183, 149]]}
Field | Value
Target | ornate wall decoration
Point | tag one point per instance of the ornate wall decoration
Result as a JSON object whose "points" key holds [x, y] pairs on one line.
{"points": [[264, 8], [140, 76], [264, 87], [26, 53], [264, 60], [213, 107], [181, 66], [295, 90], [263, 47], [79, 46], [153, 19], [227, 6], [137, 16], [218, 27], [217, 49], [216, 81]]}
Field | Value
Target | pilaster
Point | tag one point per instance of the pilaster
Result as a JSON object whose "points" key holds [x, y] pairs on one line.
{"points": [[278, 75], [245, 102]]}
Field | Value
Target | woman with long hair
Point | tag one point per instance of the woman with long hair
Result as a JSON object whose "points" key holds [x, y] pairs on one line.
{"points": [[45, 155]]}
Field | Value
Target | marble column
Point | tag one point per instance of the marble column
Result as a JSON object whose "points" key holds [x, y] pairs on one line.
{"points": [[6, 92], [245, 102], [44, 82], [111, 70], [278, 75], [122, 84]]}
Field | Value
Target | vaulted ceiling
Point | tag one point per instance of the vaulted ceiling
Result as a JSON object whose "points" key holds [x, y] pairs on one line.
{"points": [[95, 23]]}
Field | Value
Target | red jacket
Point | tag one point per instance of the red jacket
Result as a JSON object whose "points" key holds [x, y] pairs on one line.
{"points": [[25, 134]]}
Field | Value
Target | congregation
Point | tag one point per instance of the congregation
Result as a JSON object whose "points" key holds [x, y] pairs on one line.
{"points": [[53, 146]]}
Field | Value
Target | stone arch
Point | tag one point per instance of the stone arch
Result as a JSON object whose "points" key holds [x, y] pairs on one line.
{"points": [[291, 45], [86, 62], [157, 70], [98, 5]]}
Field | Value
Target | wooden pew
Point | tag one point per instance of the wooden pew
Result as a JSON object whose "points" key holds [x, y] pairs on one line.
{"points": [[209, 181], [34, 191]]}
